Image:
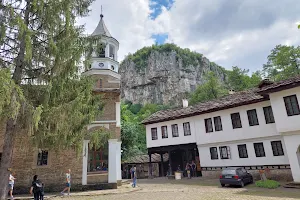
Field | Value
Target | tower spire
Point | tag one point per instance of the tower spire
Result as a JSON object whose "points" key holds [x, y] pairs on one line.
{"points": [[101, 15]]}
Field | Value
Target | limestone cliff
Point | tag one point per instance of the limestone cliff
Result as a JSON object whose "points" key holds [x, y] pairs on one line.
{"points": [[164, 75]]}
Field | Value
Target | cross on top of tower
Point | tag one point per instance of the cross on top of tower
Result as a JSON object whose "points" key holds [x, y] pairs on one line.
{"points": [[101, 15]]}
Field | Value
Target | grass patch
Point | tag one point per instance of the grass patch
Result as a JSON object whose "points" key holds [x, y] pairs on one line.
{"points": [[267, 184]]}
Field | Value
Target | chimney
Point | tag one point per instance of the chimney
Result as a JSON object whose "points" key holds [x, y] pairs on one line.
{"points": [[185, 103], [231, 91]]}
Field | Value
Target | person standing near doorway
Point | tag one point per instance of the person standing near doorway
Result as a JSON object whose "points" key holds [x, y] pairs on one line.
{"points": [[68, 182], [134, 176], [11, 183], [37, 188], [194, 169]]}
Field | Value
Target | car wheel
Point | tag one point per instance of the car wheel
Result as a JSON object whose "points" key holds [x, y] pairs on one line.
{"points": [[223, 185], [242, 184]]}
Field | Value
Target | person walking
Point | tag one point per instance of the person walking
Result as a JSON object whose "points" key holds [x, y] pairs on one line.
{"points": [[133, 176], [11, 183], [37, 188], [68, 184]]}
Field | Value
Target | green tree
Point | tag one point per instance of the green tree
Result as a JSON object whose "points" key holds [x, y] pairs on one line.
{"points": [[211, 89], [283, 62], [133, 133], [238, 79], [40, 54]]}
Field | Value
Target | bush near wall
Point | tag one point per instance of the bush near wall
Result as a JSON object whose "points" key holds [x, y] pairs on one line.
{"points": [[267, 184]]}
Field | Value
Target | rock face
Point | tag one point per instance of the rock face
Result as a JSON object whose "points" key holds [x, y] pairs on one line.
{"points": [[165, 79]]}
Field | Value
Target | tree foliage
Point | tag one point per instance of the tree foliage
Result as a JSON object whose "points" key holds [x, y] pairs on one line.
{"points": [[40, 59], [187, 56], [211, 89], [283, 62], [238, 79], [133, 133]]}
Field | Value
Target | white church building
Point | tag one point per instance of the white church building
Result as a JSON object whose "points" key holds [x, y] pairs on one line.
{"points": [[255, 129]]}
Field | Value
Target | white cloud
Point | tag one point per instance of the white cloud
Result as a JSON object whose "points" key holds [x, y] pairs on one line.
{"points": [[127, 20], [230, 33]]}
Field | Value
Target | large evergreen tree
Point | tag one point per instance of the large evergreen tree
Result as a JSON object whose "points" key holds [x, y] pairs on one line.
{"points": [[40, 84]]}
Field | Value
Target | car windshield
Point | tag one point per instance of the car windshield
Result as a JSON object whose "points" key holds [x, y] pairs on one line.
{"points": [[228, 172]]}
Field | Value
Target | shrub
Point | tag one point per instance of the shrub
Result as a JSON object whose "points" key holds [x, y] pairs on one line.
{"points": [[267, 184]]}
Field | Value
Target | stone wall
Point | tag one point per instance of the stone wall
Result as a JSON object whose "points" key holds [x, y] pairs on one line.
{"points": [[24, 164], [274, 174]]}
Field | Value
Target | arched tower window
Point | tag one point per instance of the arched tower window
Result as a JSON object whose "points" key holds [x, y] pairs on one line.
{"points": [[101, 50], [100, 83], [112, 52]]}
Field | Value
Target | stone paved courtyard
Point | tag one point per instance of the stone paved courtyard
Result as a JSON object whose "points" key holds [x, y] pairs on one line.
{"points": [[162, 189]]}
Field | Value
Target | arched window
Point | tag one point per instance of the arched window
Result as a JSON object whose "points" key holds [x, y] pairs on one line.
{"points": [[101, 50], [112, 68]]}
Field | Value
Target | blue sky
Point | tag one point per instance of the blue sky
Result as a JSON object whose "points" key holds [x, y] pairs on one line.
{"points": [[156, 7]]}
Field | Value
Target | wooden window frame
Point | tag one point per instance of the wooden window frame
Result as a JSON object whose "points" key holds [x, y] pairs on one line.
{"points": [[252, 117], [208, 125], [218, 123], [258, 152], [224, 152], [269, 116], [214, 153], [277, 148], [290, 110], [164, 135], [154, 136], [187, 129], [242, 149], [41, 160], [234, 122], [175, 132]]}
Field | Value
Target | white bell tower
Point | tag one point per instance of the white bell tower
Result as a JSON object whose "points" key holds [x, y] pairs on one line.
{"points": [[105, 57]]}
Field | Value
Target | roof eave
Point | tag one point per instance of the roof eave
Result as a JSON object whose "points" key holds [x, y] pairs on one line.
{"points": [[266, 98], [279, 88]]}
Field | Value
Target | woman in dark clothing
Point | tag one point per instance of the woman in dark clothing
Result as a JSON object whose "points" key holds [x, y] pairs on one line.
{"points": [[37, 188]]}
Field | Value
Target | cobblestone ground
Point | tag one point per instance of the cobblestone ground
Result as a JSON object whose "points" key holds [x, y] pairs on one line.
{"points": [[162, 189]]}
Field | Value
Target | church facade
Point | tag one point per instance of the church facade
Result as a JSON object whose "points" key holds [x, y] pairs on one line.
{"points": [[95, 165]]}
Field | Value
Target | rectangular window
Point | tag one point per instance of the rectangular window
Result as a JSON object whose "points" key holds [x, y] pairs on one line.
{"points": [[277, 148], [259, 149], [175, 130], [224, 152], [214, 153], [291, 105], [243, 151], [236, 120], [164, 132], [252, 117], [42, 158], [218, 123], [269, 117], [186, 128], [208, 125], [154, 133]]}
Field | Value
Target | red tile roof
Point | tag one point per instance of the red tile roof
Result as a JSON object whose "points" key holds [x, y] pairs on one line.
{"points": [[229, 101]]}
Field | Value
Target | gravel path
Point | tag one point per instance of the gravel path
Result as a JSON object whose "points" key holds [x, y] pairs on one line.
{"points": [[161, 189]]}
